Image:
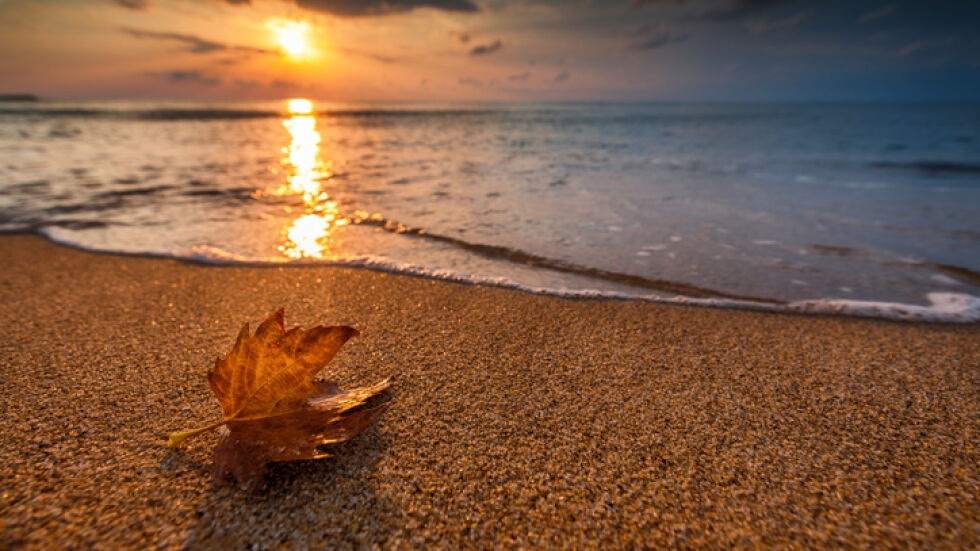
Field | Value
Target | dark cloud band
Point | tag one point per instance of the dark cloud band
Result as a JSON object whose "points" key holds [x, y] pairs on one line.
{"points": [[191, 76], [193, 44], [484, 49], [384, 7]]}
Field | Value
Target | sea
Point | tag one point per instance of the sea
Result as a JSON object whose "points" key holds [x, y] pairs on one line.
{"points": [[863, 209]]}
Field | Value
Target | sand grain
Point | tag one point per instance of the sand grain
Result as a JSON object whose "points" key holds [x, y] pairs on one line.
{"points": [[519, 420]]}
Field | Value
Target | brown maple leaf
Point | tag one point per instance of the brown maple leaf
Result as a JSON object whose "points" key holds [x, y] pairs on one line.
{"points": [[273, 409]]}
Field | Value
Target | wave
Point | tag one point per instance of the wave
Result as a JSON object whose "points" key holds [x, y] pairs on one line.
{"points": [[131, 192], [539, 114], [524, 258], [144, 114], [939, 167], [943, 307], [192, 114], [39, 227]]}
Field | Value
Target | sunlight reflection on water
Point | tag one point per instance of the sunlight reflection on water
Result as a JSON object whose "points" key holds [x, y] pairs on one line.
{"points": [[308, 235]]}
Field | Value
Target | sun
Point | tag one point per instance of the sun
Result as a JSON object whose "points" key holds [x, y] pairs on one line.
{"points": [[299, 106], [292, 36]]}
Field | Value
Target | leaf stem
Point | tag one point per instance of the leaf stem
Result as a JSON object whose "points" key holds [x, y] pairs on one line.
{"points": [[177, 437]]}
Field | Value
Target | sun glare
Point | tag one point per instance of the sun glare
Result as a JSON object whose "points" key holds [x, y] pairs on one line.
{"points": [[293, 37], [299, 106]]}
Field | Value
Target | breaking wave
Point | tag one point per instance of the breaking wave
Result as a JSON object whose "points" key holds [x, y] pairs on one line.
{"points": [[942, 307]]}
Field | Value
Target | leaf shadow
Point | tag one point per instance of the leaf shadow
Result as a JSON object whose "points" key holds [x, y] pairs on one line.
{"points": [[330, 502], [177, 462]]}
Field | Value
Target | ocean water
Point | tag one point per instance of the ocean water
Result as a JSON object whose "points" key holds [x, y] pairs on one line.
{"points": [[868, 209]]}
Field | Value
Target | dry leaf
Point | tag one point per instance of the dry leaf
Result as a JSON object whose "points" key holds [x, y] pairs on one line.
{"points": [[273, 409]]}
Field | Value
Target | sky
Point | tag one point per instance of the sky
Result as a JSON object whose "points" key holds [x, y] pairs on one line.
{"points": [[492, 50]]}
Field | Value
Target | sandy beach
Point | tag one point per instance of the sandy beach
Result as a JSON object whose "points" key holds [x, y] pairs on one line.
{"points": [[519, 420]]}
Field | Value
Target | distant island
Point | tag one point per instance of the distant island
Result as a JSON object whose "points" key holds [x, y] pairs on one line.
{"points": [[18, 97]]}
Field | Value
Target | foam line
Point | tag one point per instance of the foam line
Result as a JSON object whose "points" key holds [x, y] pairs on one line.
{"points": [[943, 307]]}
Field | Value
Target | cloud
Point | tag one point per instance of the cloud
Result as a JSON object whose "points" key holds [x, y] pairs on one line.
{"points": [[651, 37], [717, 10], [188, 76], [384, 7], [470, 81], [485, 49], [563, 76], [637, 4], [651, 42], [759, 26], [247, 83], [732, 9], [193, 44], [279, 83], [879, 13], [370, 55], [462, 37], [133, 4], [912, 48], [519, 77]]}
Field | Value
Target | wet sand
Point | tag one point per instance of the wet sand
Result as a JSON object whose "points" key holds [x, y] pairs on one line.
{"points": [[519, 420]]}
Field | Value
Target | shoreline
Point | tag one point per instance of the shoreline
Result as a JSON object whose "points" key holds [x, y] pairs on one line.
{"points": [[518, 419], [943, 307]]}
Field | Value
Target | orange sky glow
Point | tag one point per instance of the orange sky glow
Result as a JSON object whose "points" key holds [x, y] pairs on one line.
{"points": [[267, 50], [499, 50]]}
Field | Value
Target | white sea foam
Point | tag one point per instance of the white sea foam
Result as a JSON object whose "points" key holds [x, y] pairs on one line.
{"points": [[945, 280], [217, 255], [943, 308]]}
